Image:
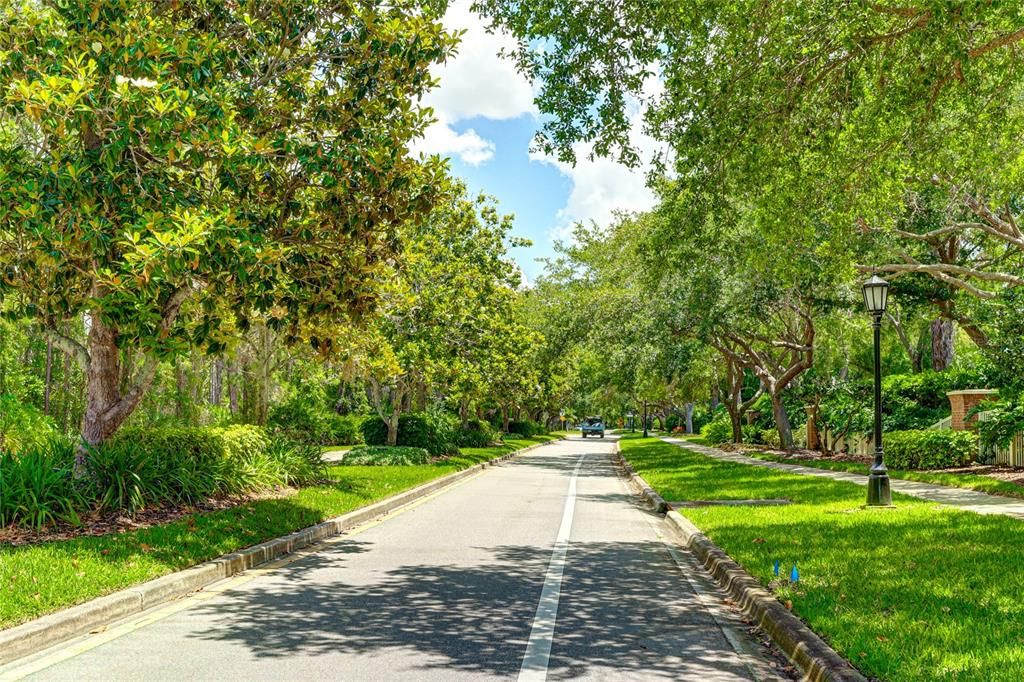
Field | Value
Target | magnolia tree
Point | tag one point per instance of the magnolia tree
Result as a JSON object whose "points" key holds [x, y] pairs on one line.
{"points": [[217, 158]]}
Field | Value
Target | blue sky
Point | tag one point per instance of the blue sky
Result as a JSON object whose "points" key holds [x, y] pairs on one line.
{"points": [[534, 192], [486, 123]]}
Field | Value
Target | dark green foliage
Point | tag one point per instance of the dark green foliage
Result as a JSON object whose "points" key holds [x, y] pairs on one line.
{"points": [[526, 427], [36, 489], [930, 449], [302, 421], [1003, 421], [475, 434], [718, 430], [374, 431], [909, 401], [299, 464], [435, 433], [384, 455], [142, 468]]}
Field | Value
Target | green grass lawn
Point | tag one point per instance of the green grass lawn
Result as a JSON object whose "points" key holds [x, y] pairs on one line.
{"points": [[37, 579], [983, 484], [919, 592]]}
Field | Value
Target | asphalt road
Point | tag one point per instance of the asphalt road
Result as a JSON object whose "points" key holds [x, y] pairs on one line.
{"points": [[545, 567]]}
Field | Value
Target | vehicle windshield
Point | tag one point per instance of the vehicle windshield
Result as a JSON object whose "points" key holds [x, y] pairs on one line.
{"points": [[591, 421]]}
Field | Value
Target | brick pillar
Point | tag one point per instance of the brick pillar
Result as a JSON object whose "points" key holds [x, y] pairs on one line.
{"points": [[962, 402]]}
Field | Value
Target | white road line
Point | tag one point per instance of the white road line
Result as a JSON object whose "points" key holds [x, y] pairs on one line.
{"points": [[538, 649]]}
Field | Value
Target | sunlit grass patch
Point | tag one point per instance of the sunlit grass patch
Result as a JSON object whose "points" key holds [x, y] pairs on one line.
{"points": [[919, 592]]}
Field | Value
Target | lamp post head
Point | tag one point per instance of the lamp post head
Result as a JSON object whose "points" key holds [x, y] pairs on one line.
{"points": [[876, 295]]}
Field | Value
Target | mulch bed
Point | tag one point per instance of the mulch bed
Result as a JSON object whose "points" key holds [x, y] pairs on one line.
{"points": [[98, 523]]}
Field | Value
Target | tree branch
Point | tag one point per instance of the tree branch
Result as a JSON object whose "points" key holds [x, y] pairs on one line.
{"points": [[73, 348]]}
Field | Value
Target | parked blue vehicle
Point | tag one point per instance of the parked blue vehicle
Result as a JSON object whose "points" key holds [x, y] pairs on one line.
{"points": [[593, 426]]}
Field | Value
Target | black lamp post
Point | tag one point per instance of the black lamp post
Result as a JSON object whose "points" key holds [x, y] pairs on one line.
{"points": [[876, 295], [645, 419]]}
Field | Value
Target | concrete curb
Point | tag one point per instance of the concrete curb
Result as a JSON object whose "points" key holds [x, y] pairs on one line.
{"points": [[45, 631], [656, 501], [804, 648]]}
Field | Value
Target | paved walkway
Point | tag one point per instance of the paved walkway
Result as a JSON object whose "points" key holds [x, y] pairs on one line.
{"points": [[543, 568], [971, 500]]}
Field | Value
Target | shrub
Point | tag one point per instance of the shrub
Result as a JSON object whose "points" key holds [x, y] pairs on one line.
{"points": [[383, 455], [297, 463], [302, 421], [374, 431], [475, 434], [770, 437], [345, 429], [526, 427], [36, 489], [511, 435], [24, 427], [930, 449], [434, 433], [752, 434], [719, 430]]}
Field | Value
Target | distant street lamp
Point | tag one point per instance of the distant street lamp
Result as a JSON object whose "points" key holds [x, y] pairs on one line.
{"points": [[632, 416], [876, 295], [645, 419]]}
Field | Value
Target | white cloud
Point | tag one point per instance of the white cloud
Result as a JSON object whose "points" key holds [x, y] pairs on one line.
{"points": [[476, 82], [440, 138], [601, 187]]}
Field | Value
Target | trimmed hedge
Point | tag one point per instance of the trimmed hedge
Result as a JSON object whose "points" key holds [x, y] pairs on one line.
{"points": [[382, 455], [526, 427], [300, 421], [930, 449], [475, 434], [434, 433]]}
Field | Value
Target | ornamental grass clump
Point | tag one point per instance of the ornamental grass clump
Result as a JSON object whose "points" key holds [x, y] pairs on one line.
{"points": [[146, 469]]}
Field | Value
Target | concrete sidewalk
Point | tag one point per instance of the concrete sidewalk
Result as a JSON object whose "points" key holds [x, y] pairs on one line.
{"points": [[969, 500]]}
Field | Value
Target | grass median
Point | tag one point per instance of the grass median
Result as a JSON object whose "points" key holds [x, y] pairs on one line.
{"points": [[918, 592], [38, 579]]}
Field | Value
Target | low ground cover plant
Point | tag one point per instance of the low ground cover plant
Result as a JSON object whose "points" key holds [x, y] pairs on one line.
{"points": [[918, 592]]}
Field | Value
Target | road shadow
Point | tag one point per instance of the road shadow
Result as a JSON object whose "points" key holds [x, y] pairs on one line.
{"points": [[625, 611]]}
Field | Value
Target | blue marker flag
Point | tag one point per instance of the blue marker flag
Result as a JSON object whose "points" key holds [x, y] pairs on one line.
{"points": [[777, 562], [794, 575]]}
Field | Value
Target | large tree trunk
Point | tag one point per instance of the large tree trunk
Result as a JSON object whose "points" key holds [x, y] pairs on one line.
{"points": [[782, 422], [943, 336], [688, 411], [106, 407]]}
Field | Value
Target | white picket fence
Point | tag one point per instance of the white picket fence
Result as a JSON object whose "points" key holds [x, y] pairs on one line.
{"points": [[1013, 454]]}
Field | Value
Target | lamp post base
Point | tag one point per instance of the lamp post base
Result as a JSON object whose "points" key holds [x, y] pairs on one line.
{"points": [[879, 494]]}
